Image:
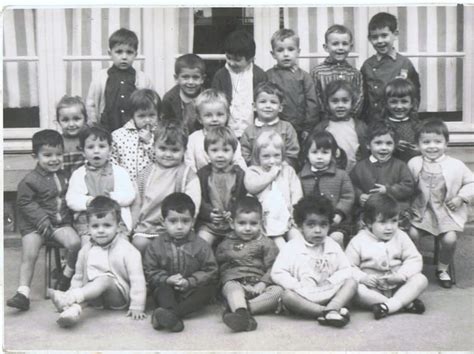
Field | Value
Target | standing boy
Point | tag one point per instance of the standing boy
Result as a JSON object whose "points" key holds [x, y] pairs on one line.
{"points": [[338, 44], [300, 106], [109, 91], [178, 103], [238, 79], [384, 66]]}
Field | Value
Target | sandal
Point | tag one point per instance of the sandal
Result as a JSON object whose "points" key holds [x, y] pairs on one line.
{"points": [[380, 310], [335, 318]]}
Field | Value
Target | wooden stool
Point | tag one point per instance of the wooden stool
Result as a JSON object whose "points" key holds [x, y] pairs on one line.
{"points": [[53, 249]]}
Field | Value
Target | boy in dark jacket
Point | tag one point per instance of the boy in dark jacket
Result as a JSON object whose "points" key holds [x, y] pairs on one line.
{"points": [[180, 268]]}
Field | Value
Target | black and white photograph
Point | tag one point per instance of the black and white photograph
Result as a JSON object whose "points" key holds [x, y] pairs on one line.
{"points": [[238, 177]]}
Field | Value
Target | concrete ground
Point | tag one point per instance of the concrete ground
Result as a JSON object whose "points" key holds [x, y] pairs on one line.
{"points": [[448, 323]]}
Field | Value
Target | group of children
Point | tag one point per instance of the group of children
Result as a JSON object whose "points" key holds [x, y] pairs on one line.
{"points": [[254, 187]]}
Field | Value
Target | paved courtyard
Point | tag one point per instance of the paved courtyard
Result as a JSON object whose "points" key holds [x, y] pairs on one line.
{"points": [[448, 323]]}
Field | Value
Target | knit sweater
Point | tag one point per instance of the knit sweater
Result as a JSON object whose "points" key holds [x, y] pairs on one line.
{"points": [[333, 183], [95, 102], [459, 181], [238, 259], [369, 255], [173, 109], [125, 264], [192, 258], [299, 104]]}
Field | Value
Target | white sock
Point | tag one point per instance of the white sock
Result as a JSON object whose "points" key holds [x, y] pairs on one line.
{"points": [[68, 272], [443, 267], [25, 290], [77, 294]]}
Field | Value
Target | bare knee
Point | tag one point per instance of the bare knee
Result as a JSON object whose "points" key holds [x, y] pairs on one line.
{"points": [[449, 239], [140, 243], [414, 234], [338, 237], [419, 280], [207, 236]]}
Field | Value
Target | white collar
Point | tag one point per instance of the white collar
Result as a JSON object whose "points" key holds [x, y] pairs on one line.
{"points": [[259, 123], [398, 120], [185, 98], [439, 159]]}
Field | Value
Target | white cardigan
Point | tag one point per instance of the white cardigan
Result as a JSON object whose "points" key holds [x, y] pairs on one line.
{"points": [[124, 193]]}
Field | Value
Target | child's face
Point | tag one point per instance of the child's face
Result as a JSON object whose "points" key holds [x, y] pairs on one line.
{"points": [[96, 151], [50, 158], [399, 107], [122, 56], [237, 63], [340, 105], [145, 119], [178, 225], [383, 228], [103, 230], [432, 145], [168, 155], [71, 120], [315, 228], [382, 147], [319, 158], [338, 46], [190, 81], [270, 156], [382, 39], [285, 53], [213, 114], [220, 154], [247, 226], [267, 106]]}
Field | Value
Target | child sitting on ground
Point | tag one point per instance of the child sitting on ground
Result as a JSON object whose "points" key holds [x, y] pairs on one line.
{"points": [[245, 260], [97, 177], [179, 102], [445, 186], [43, 214], [276, 186], [401, 107], [268, 105], [300, 106], [321, 177], [381, 172], [109, 91], [384, 66], [386, 262], [350, 133], [132, 145], [338, 44], [222, 183], [166, 175], [180, 268], [72, 117], [239, 78], [314, 272], [109, 270], [213, 111]]}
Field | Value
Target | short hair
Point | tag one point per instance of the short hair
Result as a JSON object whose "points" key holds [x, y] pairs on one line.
{"points": [[245, 205], [97, 131], [434, 126], [179, 202], [379, 204], [283, 34], [269, 88], [171, 133], [337, 85], [144, 99], [221, 134], [265, 139], [306, 206], [240, 43], [101, 205], [379, 128], [382, 20], [189, 61], [46, 137], [211, 96], [341, 29], [68, 101], [323, 140], [123, 36], [400, 87]]}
